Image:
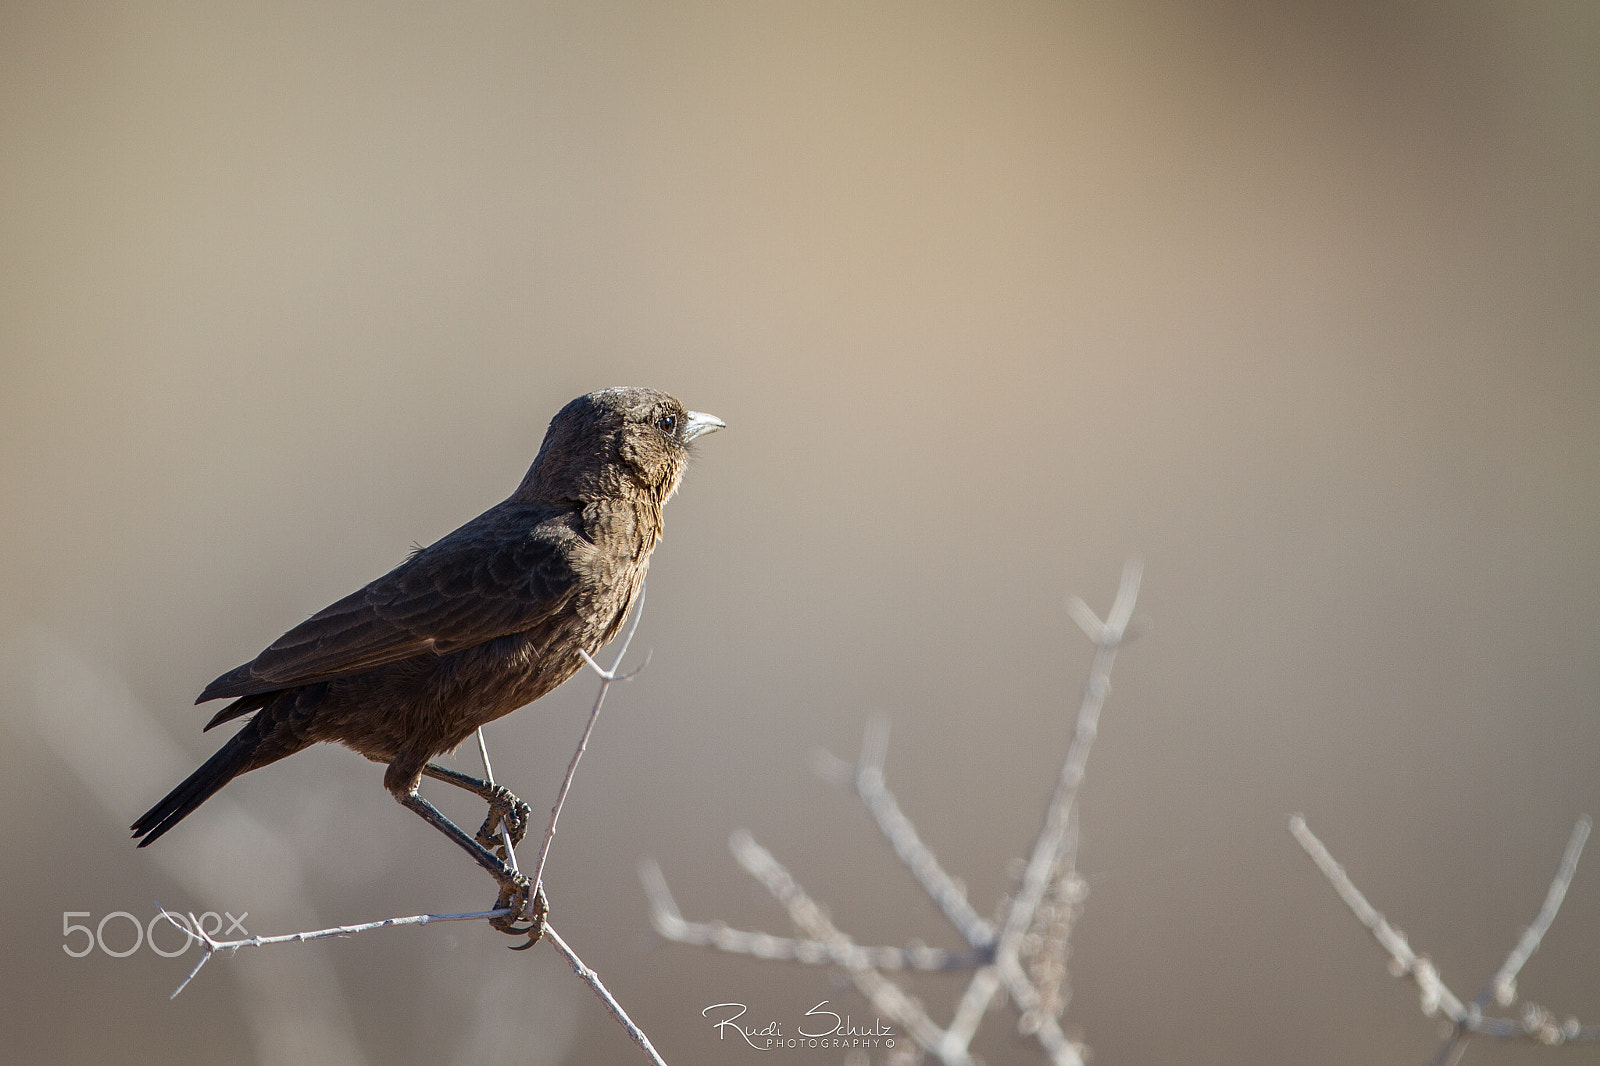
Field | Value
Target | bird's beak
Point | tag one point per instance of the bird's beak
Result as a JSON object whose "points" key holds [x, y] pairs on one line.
{"points": [[700, 422]]}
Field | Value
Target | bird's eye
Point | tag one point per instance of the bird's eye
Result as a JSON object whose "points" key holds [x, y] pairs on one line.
{"points": [[667, 423]]}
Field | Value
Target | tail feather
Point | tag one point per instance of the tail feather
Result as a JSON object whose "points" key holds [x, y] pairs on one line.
{"points": [[231, 760], [239, 708]]}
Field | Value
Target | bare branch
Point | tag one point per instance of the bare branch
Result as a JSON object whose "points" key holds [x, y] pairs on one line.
{"points": [[1407, 963], [671, 925], [884, 994], [1051, 840], [1018, 915], [996, 957], [592, 979], [948, 894], [210, 946], [1503, 985], [1045, 866], [975, 1000], [488, 775], [1536, 1023], [607, 677]]}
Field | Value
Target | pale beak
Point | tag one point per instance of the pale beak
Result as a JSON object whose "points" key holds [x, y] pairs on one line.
{"points": [[700, 422]]}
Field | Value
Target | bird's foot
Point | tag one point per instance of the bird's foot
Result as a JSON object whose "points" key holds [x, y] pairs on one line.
{"points": [[503, 806], [526, 904]]}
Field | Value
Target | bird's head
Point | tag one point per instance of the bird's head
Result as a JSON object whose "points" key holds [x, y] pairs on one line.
{"points": [[616, 442]]}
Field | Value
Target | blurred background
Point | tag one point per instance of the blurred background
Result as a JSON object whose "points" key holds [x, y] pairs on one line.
{"points": [[1300, 302]]}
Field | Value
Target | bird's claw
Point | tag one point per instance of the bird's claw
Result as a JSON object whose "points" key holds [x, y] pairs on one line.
{"points": [[505, 807], [515, 895]]}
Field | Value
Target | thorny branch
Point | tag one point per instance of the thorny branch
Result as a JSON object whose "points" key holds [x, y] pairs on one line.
{"points": [[1023, 951], [210, 946], [1537, 1023]]}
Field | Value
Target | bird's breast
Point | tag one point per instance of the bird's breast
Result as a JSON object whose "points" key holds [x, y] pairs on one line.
{"points": [[529, 664]]}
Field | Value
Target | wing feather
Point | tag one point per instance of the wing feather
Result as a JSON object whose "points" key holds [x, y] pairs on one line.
{"points": [[503, 572]]}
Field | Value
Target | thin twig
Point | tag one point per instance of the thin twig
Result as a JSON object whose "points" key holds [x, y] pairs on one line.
{"points": [[505, 831], [210, 946], [1407, 963], [1503, 985], [592, 979], [488, 771], [671, 924], [606, 679], [946, 892], [579, 967]]}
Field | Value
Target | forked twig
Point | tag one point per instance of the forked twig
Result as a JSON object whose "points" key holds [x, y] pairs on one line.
{"points": [[1502, 987], [190, 926], [1536, 1023]]}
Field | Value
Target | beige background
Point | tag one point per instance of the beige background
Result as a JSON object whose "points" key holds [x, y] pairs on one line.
{"points": [[1298, 301]]}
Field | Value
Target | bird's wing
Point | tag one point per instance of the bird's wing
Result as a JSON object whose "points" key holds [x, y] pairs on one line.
{"points": [[500, 573]]}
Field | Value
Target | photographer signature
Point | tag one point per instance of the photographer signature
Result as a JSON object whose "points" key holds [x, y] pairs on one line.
{"points": [[823, 1028]]}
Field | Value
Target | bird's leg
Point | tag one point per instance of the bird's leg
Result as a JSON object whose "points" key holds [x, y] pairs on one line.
{"points": [[516, 892], [503, 806], [497, 868]]}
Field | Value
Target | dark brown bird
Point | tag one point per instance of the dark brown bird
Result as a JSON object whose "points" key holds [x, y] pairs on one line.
{"points": [[470, 628]]}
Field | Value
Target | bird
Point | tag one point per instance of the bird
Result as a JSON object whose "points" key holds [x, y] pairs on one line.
{"points": [[468, 629]]}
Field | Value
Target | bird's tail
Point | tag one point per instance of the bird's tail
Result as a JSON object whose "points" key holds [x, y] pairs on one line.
{"points": [[235, 757]]}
